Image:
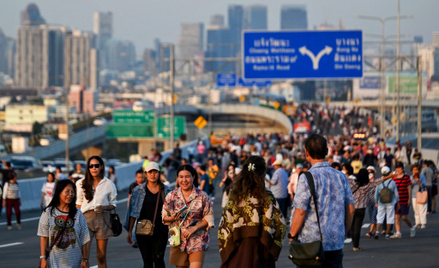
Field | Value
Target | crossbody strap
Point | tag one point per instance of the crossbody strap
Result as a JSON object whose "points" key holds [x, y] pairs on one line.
{"points": [[187, 213], [156, 207], [312, 189], [58, 236]]}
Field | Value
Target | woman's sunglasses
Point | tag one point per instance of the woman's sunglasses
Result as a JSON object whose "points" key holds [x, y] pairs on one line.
{"points": [[95, 165]]}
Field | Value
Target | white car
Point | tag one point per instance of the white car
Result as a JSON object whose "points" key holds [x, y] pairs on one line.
{"points": [[45, 140], [100, 121]]}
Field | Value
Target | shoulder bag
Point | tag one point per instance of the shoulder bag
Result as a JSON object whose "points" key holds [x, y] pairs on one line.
{"points": [[309, 254], [175, 233], [421, 195], [116, 226], [145, 226], [54, 242]]}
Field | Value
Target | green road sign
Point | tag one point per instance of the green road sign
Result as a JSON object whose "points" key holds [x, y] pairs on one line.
{"points": [[133, 117], [164, 126], [408, 84], [130, 131]]}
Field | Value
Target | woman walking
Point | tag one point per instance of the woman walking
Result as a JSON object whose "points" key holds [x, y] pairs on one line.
{"points": [[190, 209], [226, 182], [252, 227], [145, 207], [63, 229], [11, 199], [360, 190], [418, 184], [96, 196], [47, 190]]}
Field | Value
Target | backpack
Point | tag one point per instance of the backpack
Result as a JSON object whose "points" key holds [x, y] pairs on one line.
{"points": [[386, 195]]}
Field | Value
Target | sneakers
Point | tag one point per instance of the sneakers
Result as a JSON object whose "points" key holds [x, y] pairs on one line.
{"points": [[370, 234], [387, 237], [18, 226], [9, 227], [396, 235], [412, 232], [422, 226], [377, 236], [134, 245], [348, 240], [417, 226], [357, 249]]}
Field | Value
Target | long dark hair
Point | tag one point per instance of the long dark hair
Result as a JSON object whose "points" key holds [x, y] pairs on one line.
{"points": [[53, 176], [362, 177], [56, 201], [250, 180], [87, 183], [191, 170]]}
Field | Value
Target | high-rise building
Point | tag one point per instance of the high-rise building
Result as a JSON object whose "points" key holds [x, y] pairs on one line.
{"points": [[293, 17], [80, 59], [236, 18], [149, 62], [436, 39], [31, 16], [218, 46], [217, 20], [3, 53], [103, 29], [190, 41], [56, 38], [255, 17], [84, 100], [120, 55]]}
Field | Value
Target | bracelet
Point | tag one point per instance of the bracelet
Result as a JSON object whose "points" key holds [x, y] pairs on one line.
{"points": [[42, 257], [86, 260]]}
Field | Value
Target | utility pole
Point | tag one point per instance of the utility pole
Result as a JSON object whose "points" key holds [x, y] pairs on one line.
{"points": [[398, 62], [67, 130], [419, 136], [172, 66]]}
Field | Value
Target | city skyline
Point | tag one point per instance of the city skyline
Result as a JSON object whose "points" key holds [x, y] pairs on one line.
{"points": [[129, 23]]}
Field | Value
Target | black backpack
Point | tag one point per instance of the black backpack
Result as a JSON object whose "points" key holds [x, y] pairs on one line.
{"points": [[386, 195]]}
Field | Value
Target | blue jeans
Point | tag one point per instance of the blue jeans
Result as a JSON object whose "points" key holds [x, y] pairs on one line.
{"points": [[282, 205]]}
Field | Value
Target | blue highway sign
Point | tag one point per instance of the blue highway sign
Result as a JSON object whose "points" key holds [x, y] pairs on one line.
{"points": [[251, 83], [226, 80], [302, 54]]}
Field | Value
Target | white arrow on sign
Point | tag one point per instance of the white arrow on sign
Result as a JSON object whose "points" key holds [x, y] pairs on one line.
{"points": [[315, 60]]}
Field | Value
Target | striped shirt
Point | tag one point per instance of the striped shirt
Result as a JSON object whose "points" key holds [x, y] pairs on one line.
{"points": [[402, 184]]}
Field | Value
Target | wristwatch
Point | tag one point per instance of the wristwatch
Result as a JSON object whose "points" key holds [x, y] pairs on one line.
{"points": [[86, 260], [292, 237], [42, 257]]}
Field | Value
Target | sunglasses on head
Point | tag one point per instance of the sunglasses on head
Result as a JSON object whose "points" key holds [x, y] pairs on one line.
{"points": [[95, 165]]}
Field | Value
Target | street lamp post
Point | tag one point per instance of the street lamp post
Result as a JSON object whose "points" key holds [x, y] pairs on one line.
{"points": [[382, 69]]}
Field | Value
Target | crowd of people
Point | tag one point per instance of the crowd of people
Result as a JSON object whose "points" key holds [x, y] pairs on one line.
{"points": [[311, 187]]}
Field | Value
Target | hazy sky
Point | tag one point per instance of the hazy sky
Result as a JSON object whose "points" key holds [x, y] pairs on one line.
{"points": [[143, 20]]}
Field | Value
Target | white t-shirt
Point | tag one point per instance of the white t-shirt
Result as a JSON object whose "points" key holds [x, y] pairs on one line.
{"points": [[48, 189], [105, 195]]}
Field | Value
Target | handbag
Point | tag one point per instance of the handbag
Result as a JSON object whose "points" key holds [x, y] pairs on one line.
{"points": [[175, 232], [116, 226], [309, 254], [145, 226], [421, 196], [57, 238]]}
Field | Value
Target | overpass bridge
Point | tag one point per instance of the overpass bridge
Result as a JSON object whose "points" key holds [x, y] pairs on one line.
{"points": [[375, 104], [239, 119]]}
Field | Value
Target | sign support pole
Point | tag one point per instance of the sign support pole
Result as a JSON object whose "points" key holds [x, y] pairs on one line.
{"points": [[172, 93], [418, 65]]}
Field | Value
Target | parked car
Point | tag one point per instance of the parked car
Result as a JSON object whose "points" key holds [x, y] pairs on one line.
{"points": [[46, 140], [62, 164], [99, 121], [24, 163], [48, 166]]}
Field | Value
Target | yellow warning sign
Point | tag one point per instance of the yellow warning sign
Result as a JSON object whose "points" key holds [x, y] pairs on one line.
{"points": [[242, 99], [328, 99], [200, 122], [276, 105], [175, 99], [357, 101]]}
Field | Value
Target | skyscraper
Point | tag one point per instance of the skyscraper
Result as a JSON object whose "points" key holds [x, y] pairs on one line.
{"points": [[190, 41], [293, 17], [31, 15], [235, 18], [80, 59], [3, 53], [103, 29], [217, 20], [218, 46], [120, 55], [255, 17]]}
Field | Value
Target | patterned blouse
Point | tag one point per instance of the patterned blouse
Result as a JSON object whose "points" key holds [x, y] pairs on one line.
{"points": [[361, 194], [200, 209]]}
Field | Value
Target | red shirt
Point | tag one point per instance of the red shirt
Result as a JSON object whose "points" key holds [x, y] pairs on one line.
{"points": [[402, 185]]}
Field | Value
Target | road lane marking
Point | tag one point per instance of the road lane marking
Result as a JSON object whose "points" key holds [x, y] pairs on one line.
{"points": [[24, 220], [366, 225], [12, 244]]}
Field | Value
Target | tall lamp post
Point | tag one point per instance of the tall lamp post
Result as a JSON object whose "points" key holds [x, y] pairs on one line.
{"points": [[382, 70]]}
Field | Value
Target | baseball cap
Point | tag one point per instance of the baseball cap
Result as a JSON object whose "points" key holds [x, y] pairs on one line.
{"points": [[299, 166], [371, 168], [152, 166], [385, 170], [277, 163]]}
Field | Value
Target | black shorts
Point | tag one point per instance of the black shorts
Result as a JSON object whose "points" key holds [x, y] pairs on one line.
{"points": [[403, 210]]}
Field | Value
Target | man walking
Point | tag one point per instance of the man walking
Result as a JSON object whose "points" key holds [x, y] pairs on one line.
{"points": [[279, 185], [334, 203]]}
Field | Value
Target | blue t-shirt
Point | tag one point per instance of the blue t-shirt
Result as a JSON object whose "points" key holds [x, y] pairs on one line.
{"points": [[205, 178]]}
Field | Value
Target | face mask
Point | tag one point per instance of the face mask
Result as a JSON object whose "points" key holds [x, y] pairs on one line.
{"points": [[344, 171], [370, 175]]}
